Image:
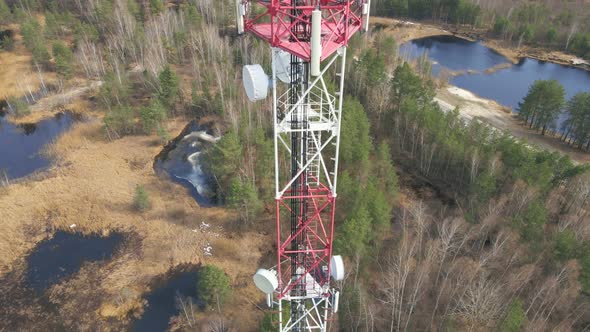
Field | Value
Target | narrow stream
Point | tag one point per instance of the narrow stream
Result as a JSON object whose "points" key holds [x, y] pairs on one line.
{"points": [[21, 145], [181, 161]]}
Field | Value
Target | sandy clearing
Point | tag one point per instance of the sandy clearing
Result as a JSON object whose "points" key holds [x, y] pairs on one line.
{"points": [[498, 116]]}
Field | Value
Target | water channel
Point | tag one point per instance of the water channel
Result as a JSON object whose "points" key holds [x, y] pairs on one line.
{"points": [[181, 161]]}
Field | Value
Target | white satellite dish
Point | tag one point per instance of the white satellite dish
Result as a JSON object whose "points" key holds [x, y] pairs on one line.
{"points": [[283, 66], [255, 82], [337, 268], [266, 280]]}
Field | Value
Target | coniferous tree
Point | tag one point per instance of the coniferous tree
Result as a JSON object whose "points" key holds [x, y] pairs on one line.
{"points": [[5, 15], [151, 116], [577, 125], [542, 105], [213, 285], [64, 60], [168, 86], [223, 159]]}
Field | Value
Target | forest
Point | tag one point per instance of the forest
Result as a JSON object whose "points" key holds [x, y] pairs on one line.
{"points": [[544, 107], [509, 252], [555, 24]]}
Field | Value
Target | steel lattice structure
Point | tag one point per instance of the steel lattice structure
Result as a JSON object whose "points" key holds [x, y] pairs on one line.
{"points": [[306, 118]]}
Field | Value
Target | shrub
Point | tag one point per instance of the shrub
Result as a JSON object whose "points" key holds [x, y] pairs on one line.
{"points": [[168, 86], [63, 60], [141, 200], [35, 42], [151, 116], [213, 285], [515, 317], [19, 107], [163, 134], [119, 122], [5, 15], [531, 222], [7, 43], [565, 245]]}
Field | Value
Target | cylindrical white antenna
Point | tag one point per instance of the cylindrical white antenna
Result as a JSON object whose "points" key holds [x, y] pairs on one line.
{"points": [[316, 42], [366, 14], [241, 11]]}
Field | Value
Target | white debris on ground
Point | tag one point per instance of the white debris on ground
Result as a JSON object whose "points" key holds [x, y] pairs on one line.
{"points": [[207, 230], [207, 249], [73, 226]]}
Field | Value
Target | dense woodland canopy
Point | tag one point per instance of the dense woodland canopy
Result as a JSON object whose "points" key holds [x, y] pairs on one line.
{"points": [[563, 25], [512, 250]]}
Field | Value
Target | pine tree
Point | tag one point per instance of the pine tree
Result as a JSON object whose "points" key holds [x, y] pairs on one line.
{"points": [[223, 159], [35, 42], [141, 200], [168, 87], [151, 116], [63, 60], [119, 122], [541, 106], [577, 125], [213, 285], [157, 6], [355, 142], [5, 15], [355, 234], [515, 317]]}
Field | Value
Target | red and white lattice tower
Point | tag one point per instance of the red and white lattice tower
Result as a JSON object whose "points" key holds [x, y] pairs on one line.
{"points": [[308, 40]]}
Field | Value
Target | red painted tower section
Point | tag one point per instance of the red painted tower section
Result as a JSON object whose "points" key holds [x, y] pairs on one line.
{"points": [[283, 29], [307, 124]]}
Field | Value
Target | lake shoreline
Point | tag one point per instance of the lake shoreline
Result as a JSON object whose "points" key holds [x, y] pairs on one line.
{"points": [[406, 31], [473, 107]]}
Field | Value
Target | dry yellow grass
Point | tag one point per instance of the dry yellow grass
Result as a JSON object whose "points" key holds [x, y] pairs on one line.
{"points": [[404, 31], [92, 186], [18, 76]]}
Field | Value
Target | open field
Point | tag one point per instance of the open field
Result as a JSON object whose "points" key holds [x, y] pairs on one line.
{"points": [[92, 185]]}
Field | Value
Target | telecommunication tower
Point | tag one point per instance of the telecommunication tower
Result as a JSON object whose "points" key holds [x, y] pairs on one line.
{"points": [[308, 40]]}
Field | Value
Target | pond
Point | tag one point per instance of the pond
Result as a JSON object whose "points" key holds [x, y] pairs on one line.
{"points": [[181, 161], [164, 302], [508, 85], [453, 53], [61, 256], [21, 145]]}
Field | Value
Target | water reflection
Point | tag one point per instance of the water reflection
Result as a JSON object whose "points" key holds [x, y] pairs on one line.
{"points": [[63, 255], [182, 162], [21, 145]]}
